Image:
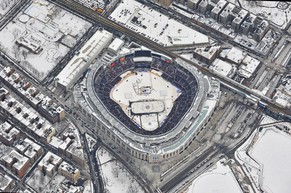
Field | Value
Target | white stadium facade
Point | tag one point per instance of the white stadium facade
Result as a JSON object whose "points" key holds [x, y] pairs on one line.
{"points": [[149, 105]]}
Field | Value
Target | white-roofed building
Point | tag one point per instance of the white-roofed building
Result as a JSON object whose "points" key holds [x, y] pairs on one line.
{"points": [[206, 54], [70, 172], [16, 163], [80, 62], [115, 45], [8, 133], [248, 66], [236, 55], [49, 163], [224, 68]]}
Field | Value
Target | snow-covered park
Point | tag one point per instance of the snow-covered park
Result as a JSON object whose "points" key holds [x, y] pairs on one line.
{"points": [[115, 177], [268, 160], [154, 25], [40, 36], [218, 179]]}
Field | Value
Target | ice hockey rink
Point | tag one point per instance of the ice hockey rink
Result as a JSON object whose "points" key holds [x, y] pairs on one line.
{"points": [[145, 97]]}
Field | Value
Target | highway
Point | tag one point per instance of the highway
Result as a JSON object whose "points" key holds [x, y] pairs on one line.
{"points": [[94, 169], [86, 12]]}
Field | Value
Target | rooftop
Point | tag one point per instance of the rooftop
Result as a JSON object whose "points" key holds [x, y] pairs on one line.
{"points": [[80, 61], [207, 52], [69, 168], [50, 160], [4, 181], [236, 55], [222, 67], [248, 66]]}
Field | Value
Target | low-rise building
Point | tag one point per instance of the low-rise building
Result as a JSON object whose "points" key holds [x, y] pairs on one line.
{"points": [[65, 144], [49, 164], [8, 134], [80, 62], [248, 66], [193, 4], [6, 183], [51, 111], [224, 68], [207, 54], [31, 46], [16, 163], [75, 152], [30, 149], [261, 27], [45, 132], [225, 16], [46, 107], [3, 93], [115, 45], [235, 55], [165, 3], [70, 172], [215, 12], [238, 20]]}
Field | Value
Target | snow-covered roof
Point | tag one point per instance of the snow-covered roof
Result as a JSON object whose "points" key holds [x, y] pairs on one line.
{"points": [[236, 55], [248, 67], [79, 63], [4, 181], [222, 67], [207, 52], [116, 45], [154, 25]]}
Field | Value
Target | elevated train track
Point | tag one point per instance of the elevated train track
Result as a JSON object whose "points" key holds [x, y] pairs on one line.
{"points": [[95, 16]]}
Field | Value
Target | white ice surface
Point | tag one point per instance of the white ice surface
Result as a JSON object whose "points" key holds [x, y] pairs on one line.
{"points": [[272, 151]]}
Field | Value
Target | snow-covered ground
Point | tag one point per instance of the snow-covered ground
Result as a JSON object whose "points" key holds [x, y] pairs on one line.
{"points": [[6, 5], [268, 159], [218, 179], [91, 141], [274, 11], [154, 25], [45, 25], [40, 182], [272, 151], [115, 177]]}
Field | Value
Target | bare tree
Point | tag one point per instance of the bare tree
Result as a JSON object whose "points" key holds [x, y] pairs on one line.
{"points": [[16, 33], [58, 59], [132, 188], [24, 54], [16, 51], [115, 171]]}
